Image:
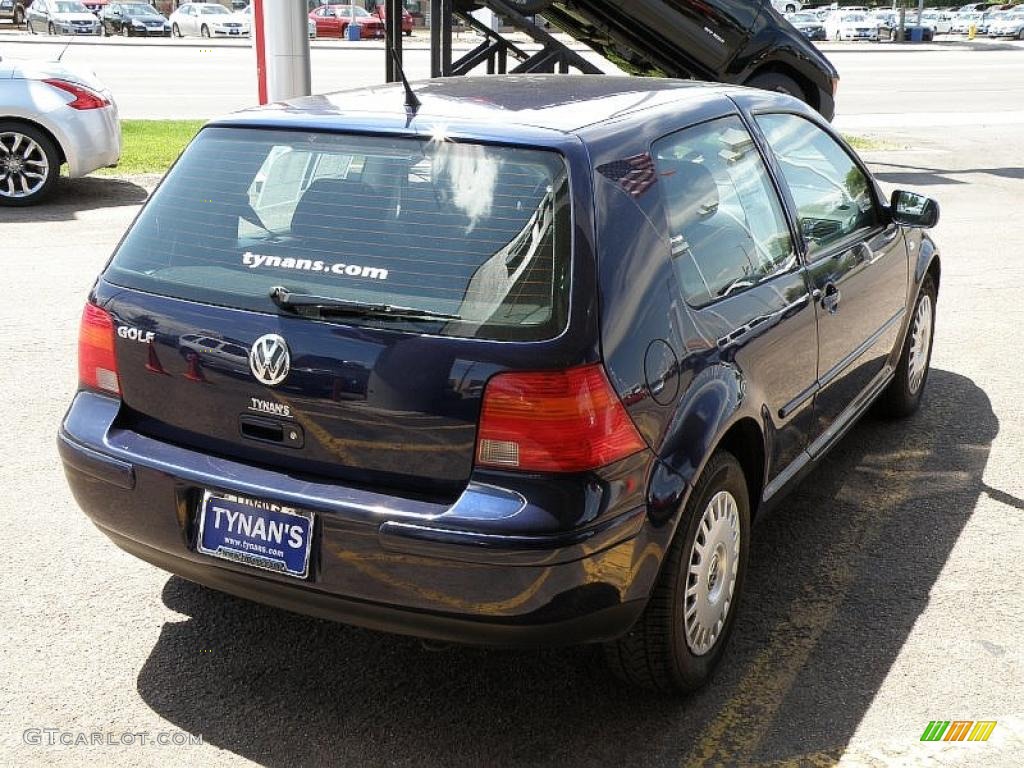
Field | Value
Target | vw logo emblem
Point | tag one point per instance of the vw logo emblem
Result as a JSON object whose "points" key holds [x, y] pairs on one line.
{"points": [[270, 360]]}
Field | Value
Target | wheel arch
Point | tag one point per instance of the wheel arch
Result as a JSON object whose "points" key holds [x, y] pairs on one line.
{"points": [[719, 415], [777, 67], [744, 439], [38, 126]]}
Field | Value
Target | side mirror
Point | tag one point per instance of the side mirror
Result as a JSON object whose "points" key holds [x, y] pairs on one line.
{"points": [[910, 209]]}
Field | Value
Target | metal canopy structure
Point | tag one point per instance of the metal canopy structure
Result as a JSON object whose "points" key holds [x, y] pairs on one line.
{"points": [[495, 51], [283, 59]]}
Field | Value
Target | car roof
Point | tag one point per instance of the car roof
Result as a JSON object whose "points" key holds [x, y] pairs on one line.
{"points": [[513, 106]]}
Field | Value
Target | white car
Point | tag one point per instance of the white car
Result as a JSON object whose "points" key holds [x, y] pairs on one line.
{"points": [[61, 17], [842, 25], [963, 22], [941, 23], [1010, 24], [208, 20], [51, 114]]}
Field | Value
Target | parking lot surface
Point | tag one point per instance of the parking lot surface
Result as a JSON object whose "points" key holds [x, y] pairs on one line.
{"points": [[884, 594]]}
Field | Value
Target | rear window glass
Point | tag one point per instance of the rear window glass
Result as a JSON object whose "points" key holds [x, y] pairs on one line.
{"points": [[479, 234]]}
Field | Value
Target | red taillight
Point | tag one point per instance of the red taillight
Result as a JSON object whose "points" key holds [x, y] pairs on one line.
{"points": [[559, 421], [97, 364], [85, 98]]}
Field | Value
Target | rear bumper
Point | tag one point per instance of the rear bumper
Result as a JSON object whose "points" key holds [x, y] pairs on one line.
{"points": [[90, 138], [393, 565]]}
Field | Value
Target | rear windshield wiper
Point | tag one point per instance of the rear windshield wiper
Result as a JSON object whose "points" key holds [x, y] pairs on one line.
{"points": [[325, 306]]}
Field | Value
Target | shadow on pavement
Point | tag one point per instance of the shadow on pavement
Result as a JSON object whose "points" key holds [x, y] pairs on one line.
{"points": [[72, 196], [914, 175], [838, 576]]}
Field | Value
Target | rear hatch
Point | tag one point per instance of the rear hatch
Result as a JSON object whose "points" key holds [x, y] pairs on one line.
{"points": [[332, 305]]}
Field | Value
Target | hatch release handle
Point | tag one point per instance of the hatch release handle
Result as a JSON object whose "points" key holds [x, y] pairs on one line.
{"points": [[264, 430]]}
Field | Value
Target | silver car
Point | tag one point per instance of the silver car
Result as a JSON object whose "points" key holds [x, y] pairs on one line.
{"points": [[52, 115], [61, 17]]}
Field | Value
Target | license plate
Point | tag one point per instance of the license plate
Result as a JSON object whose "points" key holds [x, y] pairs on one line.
{"points": [[233, 31], [255, 533]]}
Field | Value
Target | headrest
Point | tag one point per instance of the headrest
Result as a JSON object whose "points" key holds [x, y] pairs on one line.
{"points": [[329, 199]]}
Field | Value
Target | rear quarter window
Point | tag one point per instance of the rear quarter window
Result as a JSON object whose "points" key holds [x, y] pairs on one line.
{"points": [[478, 232]]}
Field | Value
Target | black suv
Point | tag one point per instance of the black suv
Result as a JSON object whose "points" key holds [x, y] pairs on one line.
{"points": [[746, 42], [517, 365]]}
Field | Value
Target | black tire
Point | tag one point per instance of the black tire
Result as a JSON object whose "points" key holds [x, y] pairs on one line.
{"points": [[204, 31], [125, 31], [655, 653], [19, 17], [773, 81], [29, 27], [175, 31], [900, 399], [49, 149], [51, 29]]}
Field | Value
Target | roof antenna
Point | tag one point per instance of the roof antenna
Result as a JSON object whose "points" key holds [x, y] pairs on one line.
{"points": [[412, 101], [66, 46]]}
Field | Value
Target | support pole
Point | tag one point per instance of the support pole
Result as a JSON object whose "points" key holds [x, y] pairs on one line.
{"points": [[440, 38], [281, 41]]}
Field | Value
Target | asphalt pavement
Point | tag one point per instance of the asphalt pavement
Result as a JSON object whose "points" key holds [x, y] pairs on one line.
{"points": [[886, 593]]}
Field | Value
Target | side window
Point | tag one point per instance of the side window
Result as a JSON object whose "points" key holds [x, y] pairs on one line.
{"points": [[832, 194], [726, 224]]}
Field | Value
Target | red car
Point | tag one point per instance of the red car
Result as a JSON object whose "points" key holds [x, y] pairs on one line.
{"points": [[382, 13], [333, 21]]}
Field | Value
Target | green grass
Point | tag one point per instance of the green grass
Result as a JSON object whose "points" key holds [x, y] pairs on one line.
{"points": [[868, 143], [150, 146]]}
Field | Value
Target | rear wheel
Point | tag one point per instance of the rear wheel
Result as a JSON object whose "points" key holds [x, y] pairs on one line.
{"points": [[903, 395], [773, 81], [681, 635], [175, 31], [29, 164], [205, 31], [51, 29], [125, 30]]}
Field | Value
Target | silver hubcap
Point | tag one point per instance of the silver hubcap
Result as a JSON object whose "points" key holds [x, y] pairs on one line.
{"points": [[920, 344], [23, 165], [711, 580]]}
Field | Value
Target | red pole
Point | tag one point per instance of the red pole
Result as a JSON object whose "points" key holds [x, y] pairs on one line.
{"points": [[261, 50]]}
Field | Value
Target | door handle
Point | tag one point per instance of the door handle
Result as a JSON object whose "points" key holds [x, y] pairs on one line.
{"points": [[830, 299]]}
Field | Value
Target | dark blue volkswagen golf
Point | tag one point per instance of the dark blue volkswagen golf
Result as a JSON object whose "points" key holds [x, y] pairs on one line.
{"points": [[516, 365]]}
